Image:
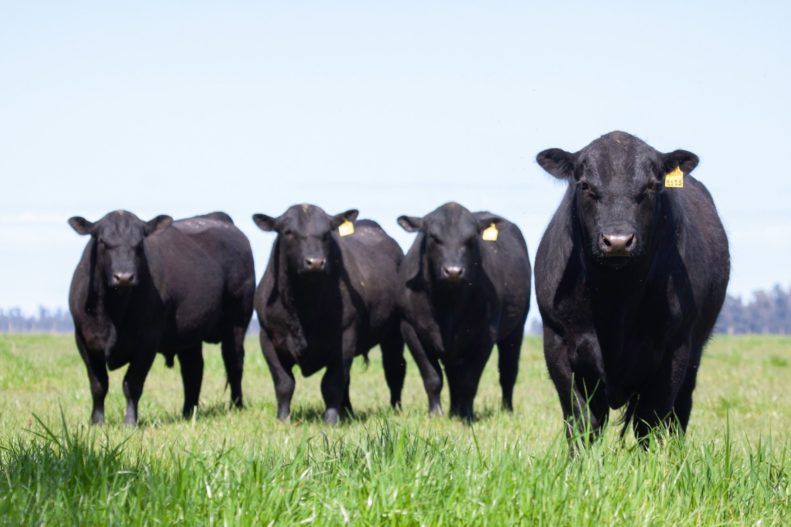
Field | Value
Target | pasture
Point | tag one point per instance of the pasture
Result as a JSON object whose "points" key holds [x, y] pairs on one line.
{"points": [[229, 467]]}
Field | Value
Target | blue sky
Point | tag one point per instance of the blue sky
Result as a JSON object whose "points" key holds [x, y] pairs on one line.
{"points": [[189, 107]]}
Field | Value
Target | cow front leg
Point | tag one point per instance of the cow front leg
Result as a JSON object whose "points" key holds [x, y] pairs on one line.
{"points": [[191, 363], [96, 367], [582, 396], [282, 376], [334, 389], [430, 370], [463, 379], [133, 385], [671, 388]]}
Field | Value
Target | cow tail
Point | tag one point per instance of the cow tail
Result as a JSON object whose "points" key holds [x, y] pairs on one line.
{"points": [[366, 359]]}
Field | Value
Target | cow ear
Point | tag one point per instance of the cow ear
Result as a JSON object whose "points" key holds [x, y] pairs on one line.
{"points": [[339, 219], [487, 221], [158, 224], [557, 162], [686, 161], [265, 223], [410, 223], [81, 225]]}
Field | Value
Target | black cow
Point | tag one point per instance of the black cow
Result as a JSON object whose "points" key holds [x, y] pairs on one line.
{"points": [[160, 286], [328, 295], [630, 277], [465, 286]]}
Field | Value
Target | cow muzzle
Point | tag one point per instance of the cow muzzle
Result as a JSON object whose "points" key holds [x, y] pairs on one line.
{"points": [[617, 245], [452, 273], [123, 280]]}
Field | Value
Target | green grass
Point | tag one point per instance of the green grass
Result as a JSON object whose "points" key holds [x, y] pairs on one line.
{"points": [[243, 467]]}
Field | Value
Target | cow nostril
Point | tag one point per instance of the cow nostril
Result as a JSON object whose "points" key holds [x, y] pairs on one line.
{"points": [[315, 263], [123, 278], [606, 241], [453, 271], [629, 241]]}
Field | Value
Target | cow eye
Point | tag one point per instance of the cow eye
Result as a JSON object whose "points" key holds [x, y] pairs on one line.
{"points": [[288, 233], [650, 188], [435, 239]]}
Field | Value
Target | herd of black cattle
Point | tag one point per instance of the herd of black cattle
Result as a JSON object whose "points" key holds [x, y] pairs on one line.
{"points": [[630, 276]]}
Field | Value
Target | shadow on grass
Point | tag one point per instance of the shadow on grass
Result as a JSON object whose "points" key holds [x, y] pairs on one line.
{"points": [[314, 414], [204, 413]]}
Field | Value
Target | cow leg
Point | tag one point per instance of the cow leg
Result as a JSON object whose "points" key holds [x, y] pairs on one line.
{"points": [[430, 370], [133, 384], [672, 388], [334, 388], [394, 365], [233, 358], [337, 377], [582, 399], [463, 379], [96, 367], [508, 363], [191, 363], [683, 405], [282, 376]]}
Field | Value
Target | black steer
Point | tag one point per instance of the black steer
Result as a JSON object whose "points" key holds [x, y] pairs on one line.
{"points": [[160, 286], [328, 295], [465, 287], [630, 277]]}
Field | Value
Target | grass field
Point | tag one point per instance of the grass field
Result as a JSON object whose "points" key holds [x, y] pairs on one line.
{"points": [[243, 467]]}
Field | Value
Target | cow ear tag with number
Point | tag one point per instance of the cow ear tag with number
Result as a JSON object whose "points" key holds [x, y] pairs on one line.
{"points": [[346, 228], [490, 233], [674, 179]]}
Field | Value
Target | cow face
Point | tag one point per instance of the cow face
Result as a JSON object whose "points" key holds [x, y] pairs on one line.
{"points": [[451, 236], [305, 233], [618, 182], [119, 244]]}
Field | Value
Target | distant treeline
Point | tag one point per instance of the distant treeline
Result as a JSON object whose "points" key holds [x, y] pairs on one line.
{"points": [[765, 312]]}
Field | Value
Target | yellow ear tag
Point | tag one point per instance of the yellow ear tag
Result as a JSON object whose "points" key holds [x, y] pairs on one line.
{"points": [[674, 179], [490, 233], [346, 228]]}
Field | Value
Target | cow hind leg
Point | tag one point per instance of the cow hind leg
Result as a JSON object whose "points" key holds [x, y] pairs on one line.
{"points": [[508, 351], [191, 363], [233, 358], [394, 366]]}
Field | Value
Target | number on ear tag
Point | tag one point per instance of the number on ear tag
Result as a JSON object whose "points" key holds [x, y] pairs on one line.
{"points": [[490, 233], [346, 228], [674, 179]]}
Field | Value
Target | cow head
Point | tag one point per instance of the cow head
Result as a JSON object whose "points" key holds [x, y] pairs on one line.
{"points": [[618, 183], [305, 234], [118, 237], [451, 236]]}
